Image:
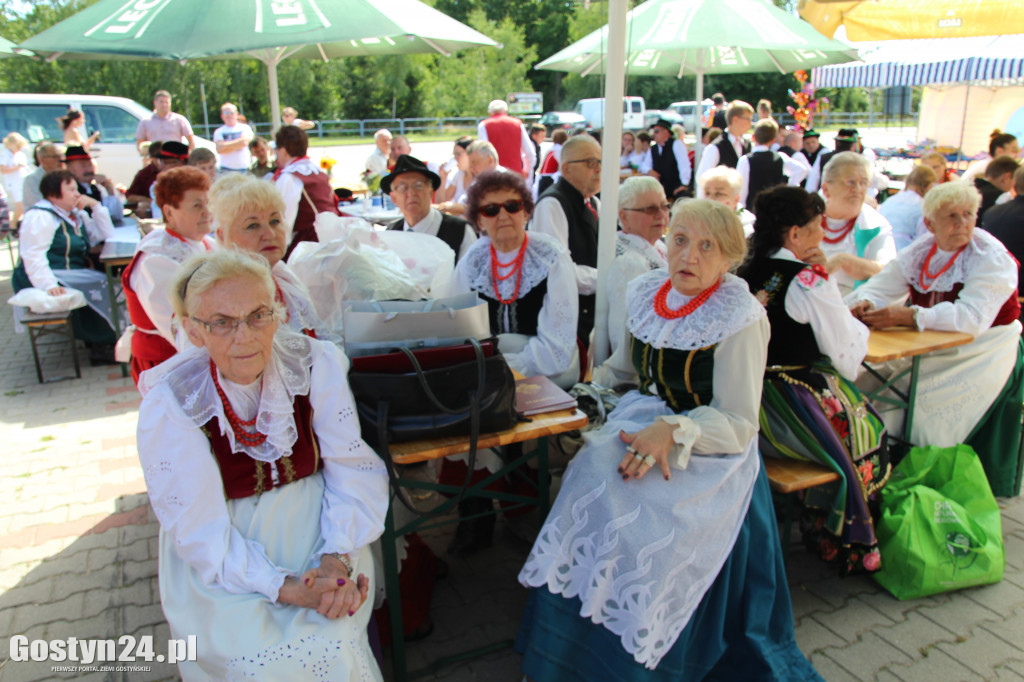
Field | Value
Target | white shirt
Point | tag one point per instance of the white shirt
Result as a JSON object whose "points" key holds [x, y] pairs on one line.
{"points": [[238, 159], [795, 169], [710, 158], [881, 248], [377, 162], [38, 228], [903, 211], [185, 484], [549, 218], [682, 155], [529, 154], [432, 225], [634, 257], [814, 300]]}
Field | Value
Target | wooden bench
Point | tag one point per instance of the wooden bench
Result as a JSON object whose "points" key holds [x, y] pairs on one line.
{"points": [[50, 324], [789, 476]]}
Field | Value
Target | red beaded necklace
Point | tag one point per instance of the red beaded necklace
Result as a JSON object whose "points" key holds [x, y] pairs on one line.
{"points": [[182, 239], [517, 270], [841, 232], [928, 261], [661, 301], [250, 438]]}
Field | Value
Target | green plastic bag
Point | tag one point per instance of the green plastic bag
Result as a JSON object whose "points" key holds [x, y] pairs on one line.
{"points": [[940, 528]]}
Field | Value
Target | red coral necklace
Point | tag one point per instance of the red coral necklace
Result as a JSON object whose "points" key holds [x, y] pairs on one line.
{"points": [[661, 301], [517, 270], [836, 236], [928, 261], [243, 436]]}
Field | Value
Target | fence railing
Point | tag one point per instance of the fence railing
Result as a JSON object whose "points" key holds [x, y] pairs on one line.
{"points": [[466, 125]]}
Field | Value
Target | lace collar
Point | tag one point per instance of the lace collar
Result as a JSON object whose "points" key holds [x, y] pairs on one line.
{"points": [[187, 376], [653, 254], [982, 247], [302, 166], [730, 309], [297, 300], [541, 253], [159, 242]]}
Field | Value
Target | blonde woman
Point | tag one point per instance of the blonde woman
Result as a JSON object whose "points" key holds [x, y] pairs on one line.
{"points": [[14, 167]]}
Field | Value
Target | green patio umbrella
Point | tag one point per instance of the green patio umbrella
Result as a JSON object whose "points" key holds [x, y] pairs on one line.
{"points": [[268, 30], [9, 49], [697, 37]]}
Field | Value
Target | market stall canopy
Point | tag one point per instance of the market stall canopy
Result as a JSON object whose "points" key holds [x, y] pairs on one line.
{"points": [[268, 30], [907, 19], [923, 62], [696, 37]]}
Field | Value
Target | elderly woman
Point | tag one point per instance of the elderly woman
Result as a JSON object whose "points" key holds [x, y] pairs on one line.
{"points": [[639, 248], [181, 195], [660, 558], [266, 495], [964, 280], [724, 185], [249, 215], [56, 236], [814, 354], [529, 283], [858, 241]]}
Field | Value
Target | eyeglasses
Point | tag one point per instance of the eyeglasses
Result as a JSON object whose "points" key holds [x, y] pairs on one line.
{"points": [[511, 207], [592, 164], [653, 210], [403, 188], [226, 326], [856, 184]]}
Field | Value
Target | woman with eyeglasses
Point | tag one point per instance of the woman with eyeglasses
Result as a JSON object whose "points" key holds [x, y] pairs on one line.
{"points": [[249, 215], [266, 495], [529, 284], [959, 279], [660, 558], [181, 193], [639, 248], [858, 240]]}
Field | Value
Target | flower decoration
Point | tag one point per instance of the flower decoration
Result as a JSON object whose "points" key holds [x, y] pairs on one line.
{"points": [[327, 163], [806, 102]]}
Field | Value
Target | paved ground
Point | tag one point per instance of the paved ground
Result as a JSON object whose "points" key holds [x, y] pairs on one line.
{"points": [[78, 558]]}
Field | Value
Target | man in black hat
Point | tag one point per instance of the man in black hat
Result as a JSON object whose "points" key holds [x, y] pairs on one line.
{"points": [[669, 161], [411, 185], [164, 155], [93, 185], [305, 188], [809, 151]]}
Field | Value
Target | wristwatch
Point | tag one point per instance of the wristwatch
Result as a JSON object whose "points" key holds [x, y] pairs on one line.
{"points": [[343, 558]]}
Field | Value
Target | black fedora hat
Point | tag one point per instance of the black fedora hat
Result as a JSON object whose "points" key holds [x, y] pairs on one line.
{"points": [[174, 150], [76, 154], [662, 123], [409, 164]]}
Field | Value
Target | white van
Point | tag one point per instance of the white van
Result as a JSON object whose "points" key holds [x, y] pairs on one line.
{"points": [[592, 109], [116, 118]]}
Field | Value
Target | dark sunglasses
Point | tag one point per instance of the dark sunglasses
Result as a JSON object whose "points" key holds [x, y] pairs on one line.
{"points": [[511, 206]]}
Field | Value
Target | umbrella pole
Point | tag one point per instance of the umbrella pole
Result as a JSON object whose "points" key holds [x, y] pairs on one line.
{"points": [[698, 146], [275, 103], [615, 71]]}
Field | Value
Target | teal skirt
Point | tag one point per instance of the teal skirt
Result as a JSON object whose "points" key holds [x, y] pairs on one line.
{"points": [[742, 629]]}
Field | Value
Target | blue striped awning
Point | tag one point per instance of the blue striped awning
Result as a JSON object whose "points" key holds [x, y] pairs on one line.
{"points": [[922, 62]]}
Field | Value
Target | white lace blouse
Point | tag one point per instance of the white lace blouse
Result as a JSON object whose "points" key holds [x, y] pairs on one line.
{"points": [[301, 314], [550, 352], [814, 300], [986, 269], [184, 481]]}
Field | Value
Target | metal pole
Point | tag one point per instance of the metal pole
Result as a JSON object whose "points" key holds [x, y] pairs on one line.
{"points": [[206, 114], [275, 103], [611, 135]]}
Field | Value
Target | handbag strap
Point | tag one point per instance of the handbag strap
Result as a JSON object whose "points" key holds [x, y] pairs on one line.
{"points": [[475, 397]]}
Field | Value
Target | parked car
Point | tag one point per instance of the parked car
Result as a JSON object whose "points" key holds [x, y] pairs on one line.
{"points": [[566, 120], [592, 109], [116, 118], [652, 116], [688, 109]]}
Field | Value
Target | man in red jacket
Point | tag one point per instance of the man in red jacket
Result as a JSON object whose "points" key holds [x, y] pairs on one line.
{"points": [[509, 137]]}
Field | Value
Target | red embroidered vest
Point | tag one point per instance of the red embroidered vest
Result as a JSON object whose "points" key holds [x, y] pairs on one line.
{"points": [[506, 134], [148, 350], [1007, 314], [244, 476], [318, 187]]}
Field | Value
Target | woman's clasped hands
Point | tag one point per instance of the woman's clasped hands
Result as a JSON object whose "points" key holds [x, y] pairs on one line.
{"points": [[327, 588], [646, 449]]}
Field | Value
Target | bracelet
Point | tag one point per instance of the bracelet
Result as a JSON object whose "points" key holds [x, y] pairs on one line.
{"points": [[343, 558]]}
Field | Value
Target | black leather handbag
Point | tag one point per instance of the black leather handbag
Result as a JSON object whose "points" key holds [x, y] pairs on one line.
{"points": [[468, 395]]}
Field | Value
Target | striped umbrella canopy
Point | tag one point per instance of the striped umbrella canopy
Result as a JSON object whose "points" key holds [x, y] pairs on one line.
{"points": [[924, 62]]}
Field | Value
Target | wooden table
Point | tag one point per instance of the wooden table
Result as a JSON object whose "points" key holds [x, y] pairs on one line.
{"points": [[895, 343], [117, 253], [539, 427]]}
